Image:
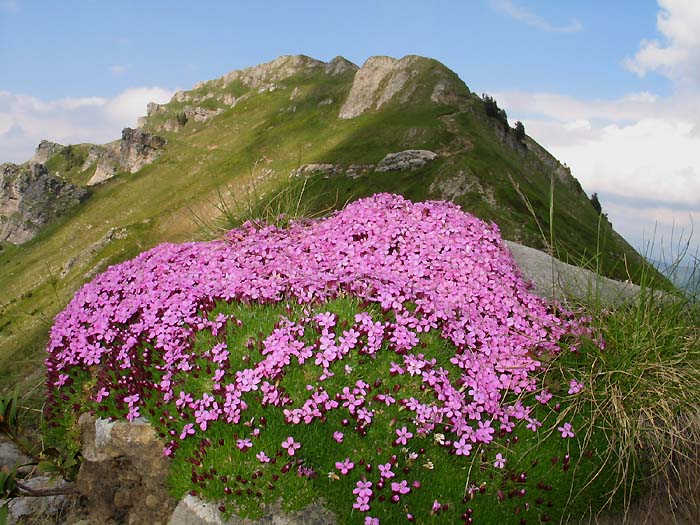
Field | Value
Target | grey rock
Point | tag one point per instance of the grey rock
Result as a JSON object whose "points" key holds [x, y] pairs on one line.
{"points": [[45, 150], [201, 114], [38, 510], [554, 279], [377, 82], [180, 96], [355, 171], [139, 148], [194, 511], [271, 73], [410, 159], [315, 169], [11, 456], [338, 66], [106, 161], [153, 108], [31, 198], [230, 100]]}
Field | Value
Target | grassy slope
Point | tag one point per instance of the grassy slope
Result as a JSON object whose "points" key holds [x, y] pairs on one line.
{"points": [[205, 161]]}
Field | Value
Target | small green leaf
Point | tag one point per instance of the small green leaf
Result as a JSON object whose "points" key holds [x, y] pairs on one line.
{"points": [[48, 467], [4, 510]]}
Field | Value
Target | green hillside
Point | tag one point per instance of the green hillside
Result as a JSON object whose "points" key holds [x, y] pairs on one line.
{"points": [[245, 134]]}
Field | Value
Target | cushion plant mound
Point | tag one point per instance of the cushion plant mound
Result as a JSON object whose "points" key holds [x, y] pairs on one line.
{"points": [[387, 360]]}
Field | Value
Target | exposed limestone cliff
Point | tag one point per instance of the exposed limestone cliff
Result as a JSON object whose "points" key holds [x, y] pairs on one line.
{"points": [[30, 198], [45, 150], [136, 149], [382, 79]]}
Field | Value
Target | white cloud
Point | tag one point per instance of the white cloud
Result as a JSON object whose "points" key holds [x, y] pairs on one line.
{"points": [[677, 54], [523, 14], [118, 69], [26, 120], [641, 152]]}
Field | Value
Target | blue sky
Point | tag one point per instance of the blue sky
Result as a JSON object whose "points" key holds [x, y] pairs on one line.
{"points": [[61, 49], [611, 88]]}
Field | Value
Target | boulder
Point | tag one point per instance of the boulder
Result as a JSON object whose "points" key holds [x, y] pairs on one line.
{"points": [[123, 475], [409, 159], [47, 509], [554, 279]]}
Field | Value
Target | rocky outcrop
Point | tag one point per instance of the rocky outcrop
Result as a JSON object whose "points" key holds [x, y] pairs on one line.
{"points": [[355, 171], [45, 150], [338, 66], [139, 148], [308, 170], [31, 198], [136, 149], [122, 477], [201, 114], [382, 79], [267, 75], [410, 159], [376, 82], [106, 161]]}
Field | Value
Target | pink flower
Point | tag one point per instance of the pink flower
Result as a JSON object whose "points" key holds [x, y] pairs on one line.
{"points": [[544, 397], [244, 444], [338, 436], [575, 387], [345, 466], [371, 521], [290, 445], [187, 430], [462, 448], [262, 457], [533, 424], [363, 489], [500, 461], [361, 504], [400, 488], [566, 430], [385, 471], [404, 436]]}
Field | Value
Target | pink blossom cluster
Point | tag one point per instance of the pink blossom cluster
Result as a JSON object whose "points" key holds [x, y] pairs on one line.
{"points": [[433, 267]]}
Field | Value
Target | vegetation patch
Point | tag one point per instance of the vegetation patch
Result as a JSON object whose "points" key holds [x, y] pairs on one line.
{"points": [[388, 360]]}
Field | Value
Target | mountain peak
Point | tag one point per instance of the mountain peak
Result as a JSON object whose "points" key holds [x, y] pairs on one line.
{"points": [[383, 78]]}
